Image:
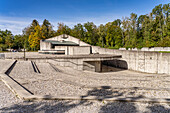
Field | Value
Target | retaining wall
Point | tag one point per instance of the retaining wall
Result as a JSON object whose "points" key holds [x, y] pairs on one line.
{"points": [[78, 64], [143, 61]]}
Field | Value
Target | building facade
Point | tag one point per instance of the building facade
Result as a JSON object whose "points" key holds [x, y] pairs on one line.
{"points": [[64, 44]]}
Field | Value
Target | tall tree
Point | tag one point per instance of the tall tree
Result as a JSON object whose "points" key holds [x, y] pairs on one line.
{"points": [[47, 29], [102, 35], [91, 33], [35, 37], [63, 29], [78, 31]]}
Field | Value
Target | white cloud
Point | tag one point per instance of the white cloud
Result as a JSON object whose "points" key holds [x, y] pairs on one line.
{"points": [[17, 24]]}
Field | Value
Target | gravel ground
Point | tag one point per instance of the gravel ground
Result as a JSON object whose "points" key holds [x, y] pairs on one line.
{"points": [[6, 96], [10, 103], [72, 82], [2, 63]]}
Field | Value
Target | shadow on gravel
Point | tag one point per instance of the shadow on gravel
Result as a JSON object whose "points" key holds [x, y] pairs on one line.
{"points": [[105, 92], [158, 109], [45, 107], [118, 107]]}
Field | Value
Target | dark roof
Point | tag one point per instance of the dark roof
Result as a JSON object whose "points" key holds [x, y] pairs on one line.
{"points": [[64, 43]]}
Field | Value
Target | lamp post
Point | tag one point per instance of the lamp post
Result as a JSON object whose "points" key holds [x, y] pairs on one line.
{"points": [[24, 48], [24, 52]]}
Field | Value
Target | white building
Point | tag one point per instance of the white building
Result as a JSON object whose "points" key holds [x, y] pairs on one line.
{"points": [[64, 44]]}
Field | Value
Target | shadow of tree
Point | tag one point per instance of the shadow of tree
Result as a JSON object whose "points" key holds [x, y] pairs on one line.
{"points": [[102, 93], [105, 92], [158, 109], [45, 107], [118, 107]]}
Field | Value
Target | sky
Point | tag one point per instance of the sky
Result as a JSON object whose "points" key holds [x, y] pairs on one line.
{"points": [[15, 15]]}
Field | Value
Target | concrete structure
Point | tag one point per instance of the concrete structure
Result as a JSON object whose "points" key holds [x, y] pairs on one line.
{"points": [[77, 55], [2, 56], [142, 61], [92, 62], [64, 44]]}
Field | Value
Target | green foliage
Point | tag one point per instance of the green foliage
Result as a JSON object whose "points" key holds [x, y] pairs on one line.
{"points": [[35, 37], [47, 29], [91, 36]]}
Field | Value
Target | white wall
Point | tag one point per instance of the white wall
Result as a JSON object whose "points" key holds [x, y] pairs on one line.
{"points": [[79, 50], [45, 45]]}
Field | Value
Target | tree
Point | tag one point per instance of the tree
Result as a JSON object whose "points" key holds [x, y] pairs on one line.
{"points": [[114, 35], [63, 29], [35, 37], [8, 38], [78, 31], [27, 31], [91, 33], [19, 41], [102, 35], [47, 29]]}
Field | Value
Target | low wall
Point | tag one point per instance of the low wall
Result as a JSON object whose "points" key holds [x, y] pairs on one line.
{"points": [[148, 49], [143, 61]]}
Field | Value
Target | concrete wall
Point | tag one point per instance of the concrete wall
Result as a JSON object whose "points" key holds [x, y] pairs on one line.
{"points": [[2, 56], [45, 45], [89, 66], [78, 50], [65, 48], [143, 61]]}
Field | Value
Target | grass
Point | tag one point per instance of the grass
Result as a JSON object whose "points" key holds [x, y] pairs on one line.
{"points": [[113, 48], [164, 51]]}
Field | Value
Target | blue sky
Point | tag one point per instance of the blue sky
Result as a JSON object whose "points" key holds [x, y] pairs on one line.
{"points": [[15, 15]]}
